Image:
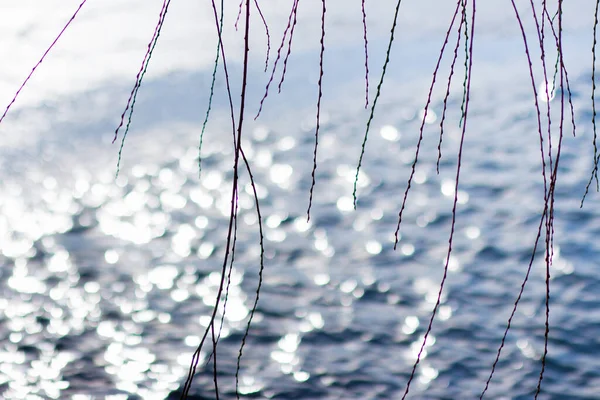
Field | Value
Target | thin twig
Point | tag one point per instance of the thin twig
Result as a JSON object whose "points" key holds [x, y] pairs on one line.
{"points": [[447, 95], [138, 82], [364, 20], [454, 205], [212, 91], [422, 127], [377, 94], [41, 60], [289, 46], [320, 85], [287, 28]]}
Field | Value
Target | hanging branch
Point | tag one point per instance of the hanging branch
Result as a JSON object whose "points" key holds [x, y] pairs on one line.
{"points": [[466, 65], [232, 227], [540, 34], [215, 368], [546, 194], [138, 81], [596, 158], [563, 70], [560, 61], [422, 127], [41, 60], [516, 303], [377, 94], [364, 20], [264, 21], [547, 215], [454, 204], [550, 227], [594, 94], [551, 164], [212, 91], [449, 84], [260, 278], [239, 14], [287, 28], [320, 85], [289, 47]]}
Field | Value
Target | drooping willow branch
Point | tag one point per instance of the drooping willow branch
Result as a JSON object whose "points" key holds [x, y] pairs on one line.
{"points": [[540, 34], [212, 90], [268, 35], [424, 118], [550, 225], [364, 20], [596, 157], [377, 94], [56, 39], [547, 217], [466, 65], [291, 17], [456, 185], [449, 83], [229, 245], [232, 227], [264, 21], [138, 81], [320, 86], [289, 45], [596, 160], [544, 216], [549, 156]]}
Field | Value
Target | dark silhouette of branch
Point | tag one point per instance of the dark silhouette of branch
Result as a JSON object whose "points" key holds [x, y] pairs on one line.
{"points": [[287, 28], [377, 94], [364, 19], [212, 91], [41, 60], [596, 159], [454, 204], [423, 119], [320, 85], [138, 81], [289, 46], [449, 84], [264, 21]]}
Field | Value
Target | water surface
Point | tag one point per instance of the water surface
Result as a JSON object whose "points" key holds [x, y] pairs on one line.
{"points": [[106, 284]]}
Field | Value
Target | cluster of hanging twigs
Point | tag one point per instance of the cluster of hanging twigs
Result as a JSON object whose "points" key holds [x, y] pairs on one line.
{"points": [[549, 34]]}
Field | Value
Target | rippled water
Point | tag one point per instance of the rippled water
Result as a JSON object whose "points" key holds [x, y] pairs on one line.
{"points": [[106, 284]]}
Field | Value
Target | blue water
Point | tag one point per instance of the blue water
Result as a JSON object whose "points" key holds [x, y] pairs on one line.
{"points": [[106, 284]]}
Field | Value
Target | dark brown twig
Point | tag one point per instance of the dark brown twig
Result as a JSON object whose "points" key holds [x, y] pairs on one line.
{"points": [[41, 60], [320, 85], [422, 127], [455, 202]]}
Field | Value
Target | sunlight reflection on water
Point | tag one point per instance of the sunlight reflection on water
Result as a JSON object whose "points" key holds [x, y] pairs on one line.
{"points": [[106, 284]]}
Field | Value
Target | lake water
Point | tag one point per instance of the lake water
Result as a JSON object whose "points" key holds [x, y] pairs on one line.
{"points": [[106, 284]]}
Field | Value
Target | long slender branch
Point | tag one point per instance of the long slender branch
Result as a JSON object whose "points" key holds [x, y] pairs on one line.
{"points": [[454, 206], [41, 60]]}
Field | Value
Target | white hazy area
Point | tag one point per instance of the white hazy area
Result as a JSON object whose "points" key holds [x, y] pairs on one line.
{"points": [[107, 41]]}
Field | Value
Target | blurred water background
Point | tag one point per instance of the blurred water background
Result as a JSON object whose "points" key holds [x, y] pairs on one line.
{"points": [[106, 284]]}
